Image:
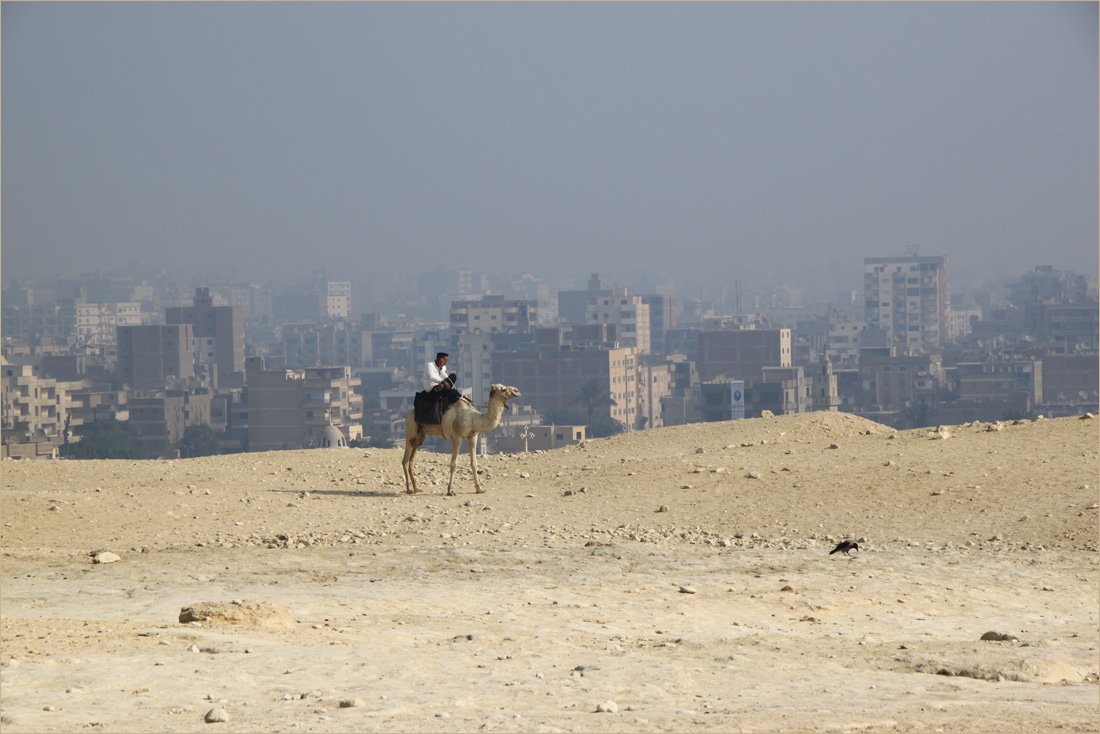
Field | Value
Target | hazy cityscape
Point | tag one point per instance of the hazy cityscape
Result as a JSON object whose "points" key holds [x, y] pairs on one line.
{"points": [[187, 369], [248, 226]]}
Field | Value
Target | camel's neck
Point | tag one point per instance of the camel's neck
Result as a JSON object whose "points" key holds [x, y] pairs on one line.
{"points": [[490, 419]]}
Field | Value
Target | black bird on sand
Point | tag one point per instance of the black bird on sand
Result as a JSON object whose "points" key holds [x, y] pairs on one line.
{"points": [[844, 547]]}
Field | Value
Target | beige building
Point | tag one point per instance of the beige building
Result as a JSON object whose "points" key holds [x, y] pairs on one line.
{"points": [[626, 318], [656, 378], [493, 314], [290, 409], [334, 299], [907, 298], [35, 408]]}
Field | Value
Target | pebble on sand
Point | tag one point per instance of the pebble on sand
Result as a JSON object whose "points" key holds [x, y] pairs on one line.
{"points": [[105, 557], [352, 703], [216, 716], [607, 707]]}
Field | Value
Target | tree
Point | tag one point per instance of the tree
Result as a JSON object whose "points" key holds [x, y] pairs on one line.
{"points": [[109, 439], [200, 440], [592, 395], [604, 427]]}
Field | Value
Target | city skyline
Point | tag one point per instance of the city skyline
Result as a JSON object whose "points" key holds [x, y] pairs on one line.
{"points": [[698, 142]]}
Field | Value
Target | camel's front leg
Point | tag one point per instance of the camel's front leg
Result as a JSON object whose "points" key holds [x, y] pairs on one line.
{"points": [[471, 442], [455, 443], [411, 445]]}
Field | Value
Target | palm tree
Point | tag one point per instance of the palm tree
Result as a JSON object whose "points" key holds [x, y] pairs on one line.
{"points": [[593, 394]]}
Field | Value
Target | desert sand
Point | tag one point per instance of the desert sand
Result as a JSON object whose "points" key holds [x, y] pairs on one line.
{"points": [[670, 580]]}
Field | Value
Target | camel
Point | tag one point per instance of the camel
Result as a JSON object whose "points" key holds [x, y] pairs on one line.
{"points": [[460, 421]]}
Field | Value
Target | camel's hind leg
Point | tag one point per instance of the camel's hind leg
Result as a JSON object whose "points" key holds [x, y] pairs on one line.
{"points": [[412, 443]]}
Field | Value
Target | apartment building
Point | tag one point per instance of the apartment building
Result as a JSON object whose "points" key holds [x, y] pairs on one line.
{"points": [[890, 382], [157, 422], [35, 407], [153, 356], [556, 379], [290, 409], [334, 299], [218, 337], [97, 323], [741, 354], [907, 298], [662, 318], [573, 305], [493, 314], [319, 345], [625, 317]]}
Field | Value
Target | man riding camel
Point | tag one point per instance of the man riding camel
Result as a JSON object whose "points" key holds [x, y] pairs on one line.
{"points": [[438, 380]]}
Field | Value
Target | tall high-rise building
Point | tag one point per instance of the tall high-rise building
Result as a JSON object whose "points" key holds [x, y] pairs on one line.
{"points": [[906, 297], [334, 299], [219, 336]]}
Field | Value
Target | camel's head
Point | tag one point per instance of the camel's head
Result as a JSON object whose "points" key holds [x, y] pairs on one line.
{"points": [[503, 392]]}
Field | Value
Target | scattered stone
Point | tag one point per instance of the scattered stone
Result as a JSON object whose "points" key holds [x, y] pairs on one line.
{"points": [[752, 475], [105, 557], [999, 637], [607, 707], [662, 508], [834, 446], [767, 414], [788, 587], [1086, 416], [216, 716], [193, 648], [352, 703], [687, 590], [700, 450], [254, 614]]}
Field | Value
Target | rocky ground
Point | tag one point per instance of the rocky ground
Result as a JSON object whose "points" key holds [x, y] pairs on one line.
{"points": [[668, 580]]}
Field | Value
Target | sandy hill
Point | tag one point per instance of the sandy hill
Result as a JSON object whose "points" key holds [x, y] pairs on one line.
{"points": [[670, 580]]}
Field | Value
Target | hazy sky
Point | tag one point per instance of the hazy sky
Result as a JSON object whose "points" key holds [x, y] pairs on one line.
{"points": [[777, 141]]}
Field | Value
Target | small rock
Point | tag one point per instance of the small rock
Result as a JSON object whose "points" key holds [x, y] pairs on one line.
{"points": [[352, 703], [193, 648], [788, 587], [998, 636], [767, 414], [662, 508], [687, 590], [607, 707], [105, 557], [834, 446], [216, 716]]}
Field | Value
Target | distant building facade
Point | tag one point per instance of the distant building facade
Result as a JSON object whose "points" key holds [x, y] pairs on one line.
{"points": [[741, 354], [289, 409], [907, 297], [153, 356], [218, 334]]}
